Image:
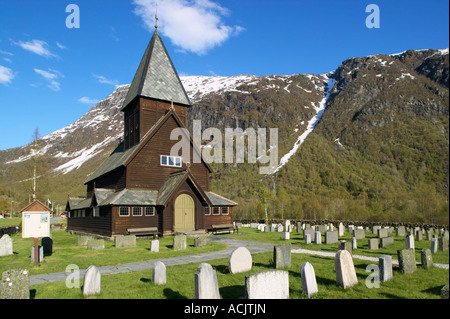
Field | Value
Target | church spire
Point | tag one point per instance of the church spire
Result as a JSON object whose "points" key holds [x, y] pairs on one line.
{"points": [[156, 77]]}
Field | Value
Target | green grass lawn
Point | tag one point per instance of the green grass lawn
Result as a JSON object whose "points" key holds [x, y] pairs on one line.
{"points": [[423, 284]]}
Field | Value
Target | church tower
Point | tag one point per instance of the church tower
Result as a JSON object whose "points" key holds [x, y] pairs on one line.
{"points": [[155, 88]]}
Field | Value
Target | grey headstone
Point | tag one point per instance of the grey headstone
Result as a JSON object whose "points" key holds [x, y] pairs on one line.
{"points": [[266, 228], [359, 233], [285, 235], [426, 258], [206, 286], [400, 231], [82, 240], [341, 229], [385, 268], [318, 237], [386, 241], [345, 269], [92, 281], [419, 235], [443, 243], [331, 237], [321, 228], [282, 256], [308, 239], [373, 243], [15, 284], [309, 283], [344, 245], [409, 242], [375, 229], [125, 241], [407, 261], [429, 234], [354, 243], [159, 273], [444, 292], [310, 231], [280, 228], [41, 254], [382, 232], [154, 246], [95, 244], [179, 242], [434, 245], [240, 260], [272, 228], [270, 284], [6, 245], [201, 241]]}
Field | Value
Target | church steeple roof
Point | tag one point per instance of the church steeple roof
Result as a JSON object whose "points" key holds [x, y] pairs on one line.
{"points": [[156, 76]]}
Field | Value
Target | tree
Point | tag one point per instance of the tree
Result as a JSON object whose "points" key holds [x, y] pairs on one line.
{"points": [[264, 196]]}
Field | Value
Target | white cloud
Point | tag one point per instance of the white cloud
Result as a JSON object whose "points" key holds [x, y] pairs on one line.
{"points": [[61, 46], [88, 100], [104, 80], [6, 75], [192, 25], [51, 76], [36, 46]]}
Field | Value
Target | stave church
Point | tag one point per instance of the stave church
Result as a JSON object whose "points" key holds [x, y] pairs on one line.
{"points": [[141, 188]]}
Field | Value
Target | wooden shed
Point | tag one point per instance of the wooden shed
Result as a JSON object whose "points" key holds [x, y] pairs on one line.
{"points": [[141, 185]]}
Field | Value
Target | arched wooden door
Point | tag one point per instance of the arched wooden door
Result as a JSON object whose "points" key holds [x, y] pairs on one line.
{"points": [[184, 213]]}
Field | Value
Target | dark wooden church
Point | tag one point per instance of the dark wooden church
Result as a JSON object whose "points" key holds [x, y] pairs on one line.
{"points": [[140, 188]]}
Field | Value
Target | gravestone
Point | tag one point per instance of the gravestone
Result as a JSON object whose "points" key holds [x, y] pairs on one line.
{"points": [[279, 228], [310, 231], [386, 241], [321, 228], [282, 256], [206, 286], [82, 240], [426, 259], [385, 268], [373, 243], [40, 252], [287, 223], [407, 261], [240, 260], [429, 234], [272, 228], [92, 281], [6, 245], [359, 233], [285, 235], [270, 284], [266, 228], [409, 242], [47, 243], [419, 235], [382, 233], [341, 229], [331, 237], [434, 245], [375, 229], [443, 243], [444, 292], [154, 246], [94, 244], [309, 283], [354, 243], [159, 273], [179, 242], [318, 237], [308, 239], [15, 284], [345, 269], [125, 241], [400, 231], [201, 241], [344, 245]]}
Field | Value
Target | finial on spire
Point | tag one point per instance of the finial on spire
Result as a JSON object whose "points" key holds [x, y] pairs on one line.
{"points": [[156, 17]]}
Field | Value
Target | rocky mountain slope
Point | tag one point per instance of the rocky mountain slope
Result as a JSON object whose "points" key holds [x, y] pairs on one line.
{"points": [[381, 115]]}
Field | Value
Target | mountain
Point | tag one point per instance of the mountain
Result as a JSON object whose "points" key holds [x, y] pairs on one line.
{"points": [[367, 140]]}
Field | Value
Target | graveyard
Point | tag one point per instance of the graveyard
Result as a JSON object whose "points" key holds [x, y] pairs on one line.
{"points": [[285, 263]]}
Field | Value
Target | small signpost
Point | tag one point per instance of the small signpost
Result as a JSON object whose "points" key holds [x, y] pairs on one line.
{"points": [[36, 224]]}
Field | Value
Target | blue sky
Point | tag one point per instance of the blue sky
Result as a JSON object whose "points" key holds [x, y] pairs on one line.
{"points": [[50, 75]]}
